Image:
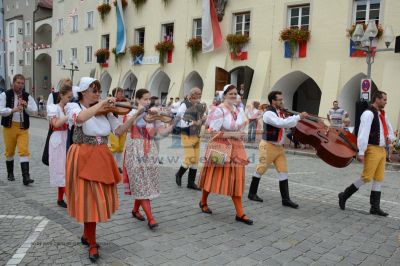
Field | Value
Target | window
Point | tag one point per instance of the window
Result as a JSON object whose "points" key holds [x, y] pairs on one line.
{"points": [[197, 28], [242, 23], [89, 54], [106, 1], [167, 33], [12, 59], [89, 20], [16, 5], [74, 53], [365, 10], [11, 29], [299, 17], [28, 58], [139, 36], [105, 41], [60, 26], [28, 30], [75, 23], [27, 2], [59, 57]]}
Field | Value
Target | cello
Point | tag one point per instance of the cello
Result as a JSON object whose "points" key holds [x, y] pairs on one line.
{"points": [[335, 146]]}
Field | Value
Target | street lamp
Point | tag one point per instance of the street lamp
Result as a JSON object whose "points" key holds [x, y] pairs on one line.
{"points": [[74, 67], [363, 41]]}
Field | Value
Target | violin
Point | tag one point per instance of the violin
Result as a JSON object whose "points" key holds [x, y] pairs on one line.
{"points": [[335, 146]]}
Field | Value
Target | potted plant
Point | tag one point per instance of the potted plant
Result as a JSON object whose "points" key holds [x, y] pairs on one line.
{"points": [[104, 9], [351, 30], [295, 37], [164, 48], [102, 55], [139, 3], [123, 2], [236, 43], [195, 45], [117, 56]]}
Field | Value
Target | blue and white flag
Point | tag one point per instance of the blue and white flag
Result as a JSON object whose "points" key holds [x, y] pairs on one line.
{"points": [[121, 32]]}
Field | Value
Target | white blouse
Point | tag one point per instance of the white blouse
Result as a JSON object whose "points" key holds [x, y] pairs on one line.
{"points": [[95, 126], [54, 111], [221, 119]]}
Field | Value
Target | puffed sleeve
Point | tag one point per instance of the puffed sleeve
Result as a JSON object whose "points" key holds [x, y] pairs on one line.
{"points": [[114, 122], [241, 120], [72, 110], [132, 112], [215, 119], [52, 111]]}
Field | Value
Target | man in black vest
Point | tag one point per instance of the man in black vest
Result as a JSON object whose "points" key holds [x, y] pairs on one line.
{"points": [[374, 133], [271, 148], [190, 133], [15, 107]]}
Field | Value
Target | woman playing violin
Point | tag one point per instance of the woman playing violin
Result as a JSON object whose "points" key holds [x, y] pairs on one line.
{"points": [[141, 171], [271, 148], [91, 172]]}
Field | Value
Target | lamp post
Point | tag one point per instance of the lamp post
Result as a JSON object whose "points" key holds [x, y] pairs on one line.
{"points": [[363, 41], [74, 67]]}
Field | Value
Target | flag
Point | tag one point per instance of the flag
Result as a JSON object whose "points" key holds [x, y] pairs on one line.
{"points": [[121, 33], [299, 52], [360, 53], [241, 55], [211, 36]]}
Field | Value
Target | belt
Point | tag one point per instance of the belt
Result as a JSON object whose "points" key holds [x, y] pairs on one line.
{"points": [[99, 140]]}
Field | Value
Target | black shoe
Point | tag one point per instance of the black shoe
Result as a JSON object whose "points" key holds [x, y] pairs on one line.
{"points": [[344, 196], [86, 243], [62, 203], [25, 174], [94, 257], [204, 208], [243, 220], [138, 216], [10, 170], [375, 200], [284, 189], [179, 174], [152, 226], [253, 189], [191, 179]]}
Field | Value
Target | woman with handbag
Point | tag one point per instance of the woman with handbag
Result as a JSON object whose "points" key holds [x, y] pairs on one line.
{"points": [[58, 142], [140, 166], [224, 170]]}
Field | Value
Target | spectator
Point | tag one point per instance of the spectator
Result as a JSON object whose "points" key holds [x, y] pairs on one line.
{"points": [[253, 114], [336, 115]]}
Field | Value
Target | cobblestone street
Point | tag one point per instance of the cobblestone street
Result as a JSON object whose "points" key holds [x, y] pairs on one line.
{"points": [[35, 231]]}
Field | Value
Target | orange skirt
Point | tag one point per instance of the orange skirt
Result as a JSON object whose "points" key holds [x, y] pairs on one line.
{"points": [[228, 179], [89, 200]]}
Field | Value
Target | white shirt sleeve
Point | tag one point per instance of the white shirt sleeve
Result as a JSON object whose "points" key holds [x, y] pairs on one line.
{"points": [[271, 118], [114, 122], [391, 136], [4, 111], [363, 131], [216, 118], [50, 101], [52, 111], [72, 110], [32, 107]]}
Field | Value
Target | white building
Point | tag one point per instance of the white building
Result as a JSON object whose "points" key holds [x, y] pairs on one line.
{"points": [[2, 50]]}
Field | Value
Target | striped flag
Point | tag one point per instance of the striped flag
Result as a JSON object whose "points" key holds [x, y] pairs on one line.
{"points": [[121, 33], [300, 50], [211, 33]]}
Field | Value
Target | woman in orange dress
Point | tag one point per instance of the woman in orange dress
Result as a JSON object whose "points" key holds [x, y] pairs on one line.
{"points": [[91, 172], [228, 122]]}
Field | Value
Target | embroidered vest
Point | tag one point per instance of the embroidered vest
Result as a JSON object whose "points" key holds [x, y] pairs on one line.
{"points": [[6, 121], [270, 133]]}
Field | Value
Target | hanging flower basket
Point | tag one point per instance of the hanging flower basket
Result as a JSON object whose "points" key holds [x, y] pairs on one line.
{"points": [[295, 37], [123, 2], [104, 9], [164, 48], [351, 30], [236, 43], [139, 3], [195, 46], [117, 56], [102, 55], [136, 50]]}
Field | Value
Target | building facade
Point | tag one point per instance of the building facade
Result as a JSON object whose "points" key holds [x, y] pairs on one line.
{"points": [[2, 50], [310, 83], [75, 39]]}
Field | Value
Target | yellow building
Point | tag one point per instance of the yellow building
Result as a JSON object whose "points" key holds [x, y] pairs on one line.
{"points": [[309, 83]]}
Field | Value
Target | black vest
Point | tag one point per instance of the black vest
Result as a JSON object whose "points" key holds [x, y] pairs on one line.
{"points": [[6, 121], [191, 130], [375, 132], [270, 133]]}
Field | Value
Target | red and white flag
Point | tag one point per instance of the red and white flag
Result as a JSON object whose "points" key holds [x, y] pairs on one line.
{"points": [[211, 36]]}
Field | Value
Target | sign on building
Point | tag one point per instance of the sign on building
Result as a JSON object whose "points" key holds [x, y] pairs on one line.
{"points": [[366, 85]]}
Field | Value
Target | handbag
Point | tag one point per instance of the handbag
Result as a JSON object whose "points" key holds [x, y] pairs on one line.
{"points": [[218, 150]]}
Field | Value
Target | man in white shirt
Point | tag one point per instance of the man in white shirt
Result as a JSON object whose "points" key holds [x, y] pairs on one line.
{"points": [[271, 148], [336, 115], [374, 133], [16, 106], [190, 134]]}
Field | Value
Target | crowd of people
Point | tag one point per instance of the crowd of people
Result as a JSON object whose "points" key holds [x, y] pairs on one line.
{"points": [[93, 146]]}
